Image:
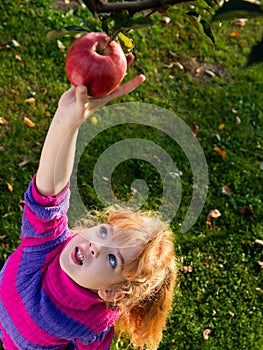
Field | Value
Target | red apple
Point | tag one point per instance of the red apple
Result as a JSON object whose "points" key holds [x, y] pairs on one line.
{"points": [[98, 65]]}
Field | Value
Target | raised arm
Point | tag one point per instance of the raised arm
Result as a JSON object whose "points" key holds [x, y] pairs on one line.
{"points": [[57, 158]]}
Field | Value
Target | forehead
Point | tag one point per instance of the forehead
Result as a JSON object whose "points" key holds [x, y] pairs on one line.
{"points": [[109, 235]]}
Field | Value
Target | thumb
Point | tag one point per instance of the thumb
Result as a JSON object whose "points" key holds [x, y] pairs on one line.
{"points": [[81, 94]]}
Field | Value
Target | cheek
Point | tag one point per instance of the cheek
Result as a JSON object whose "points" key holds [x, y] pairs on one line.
{"points": [[65, 255], [64, 259]]}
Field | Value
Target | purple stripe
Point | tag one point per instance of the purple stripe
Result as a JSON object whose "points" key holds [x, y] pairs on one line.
{"points": [[29, 231], [45, 212], [39, 244], [34, 257], [43, 311], [17, 337], [19, 324], [45, 240]]}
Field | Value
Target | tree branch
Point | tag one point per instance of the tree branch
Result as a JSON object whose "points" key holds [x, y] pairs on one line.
{"points": [[103, 6]]}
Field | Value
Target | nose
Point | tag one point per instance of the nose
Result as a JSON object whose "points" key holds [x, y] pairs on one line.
{"points": [[94, 249]]}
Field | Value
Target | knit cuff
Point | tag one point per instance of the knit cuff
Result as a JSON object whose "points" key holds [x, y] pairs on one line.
{"points": [[48, 201]]}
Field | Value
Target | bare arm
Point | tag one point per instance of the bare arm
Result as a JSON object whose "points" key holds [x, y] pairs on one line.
{"points": [[57, 158]]}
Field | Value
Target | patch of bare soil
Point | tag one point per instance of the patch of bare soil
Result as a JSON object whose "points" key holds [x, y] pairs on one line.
{"points": [[201, 71]]}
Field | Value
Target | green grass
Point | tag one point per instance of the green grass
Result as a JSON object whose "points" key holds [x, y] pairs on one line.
{"points": [[223, 293]]}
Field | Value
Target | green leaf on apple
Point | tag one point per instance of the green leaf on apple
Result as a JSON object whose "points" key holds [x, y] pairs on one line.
{"points": [[126, 43], [70, 30]]}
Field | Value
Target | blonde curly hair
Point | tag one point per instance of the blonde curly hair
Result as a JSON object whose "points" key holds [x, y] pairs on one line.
{"points": [[149, 279]]}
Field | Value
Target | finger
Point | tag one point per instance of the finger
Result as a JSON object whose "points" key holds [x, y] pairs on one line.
{"points": [[125, 88], [129, 59], [81, 94]]}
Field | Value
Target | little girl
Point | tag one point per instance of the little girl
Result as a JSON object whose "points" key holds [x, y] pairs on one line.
{"points": [[64, 289]]}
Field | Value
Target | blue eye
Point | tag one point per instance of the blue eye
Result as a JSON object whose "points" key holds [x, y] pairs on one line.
{"points": [[103, 232], [113, 260]]}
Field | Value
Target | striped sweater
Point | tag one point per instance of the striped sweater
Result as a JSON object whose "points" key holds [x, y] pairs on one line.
{"points": [[40, 306]]}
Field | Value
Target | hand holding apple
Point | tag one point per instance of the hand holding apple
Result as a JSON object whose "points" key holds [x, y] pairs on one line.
{"points": [[96, 63], [75, 106]]}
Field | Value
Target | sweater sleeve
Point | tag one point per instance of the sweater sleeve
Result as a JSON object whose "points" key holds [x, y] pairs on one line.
{"points": [[100, 344], [44, 218]]}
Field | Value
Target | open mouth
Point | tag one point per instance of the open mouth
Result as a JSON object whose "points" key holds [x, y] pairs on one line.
{"points": [[77, 256]]}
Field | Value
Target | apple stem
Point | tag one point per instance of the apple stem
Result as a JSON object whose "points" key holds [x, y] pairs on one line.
{"points": [[112, 37], [101, 48], [114, 34]]}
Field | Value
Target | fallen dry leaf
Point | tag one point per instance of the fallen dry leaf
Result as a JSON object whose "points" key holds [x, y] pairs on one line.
{"points": [[259, 241], [198, 70], [21, 204], [246, 210], [231, 313], [234, 34], [261, 264], [175, 64], [206, 333], [238, 120], [15, 43], [166, 19], [29, 122], [195, 129], [221, 126], [210, 73], [220, 151], [188, 269], [3, 121], [156, 158], [94, 120], [179, 65], [213, 214], [61, 46], [18, 57], [23, 163], [226, 190], [4, 46], [240, 22], [214, 313], [9, 186], [30, 100]]}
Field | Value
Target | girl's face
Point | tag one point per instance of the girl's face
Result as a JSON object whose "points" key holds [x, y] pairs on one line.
{"points": [[93, 259]]}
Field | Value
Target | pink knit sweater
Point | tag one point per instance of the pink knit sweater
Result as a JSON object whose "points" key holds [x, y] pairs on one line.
{"points": [[40, 306]]}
